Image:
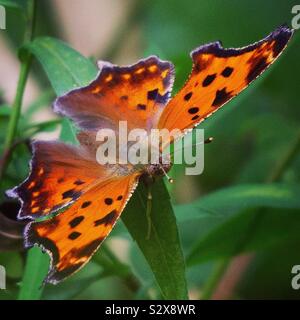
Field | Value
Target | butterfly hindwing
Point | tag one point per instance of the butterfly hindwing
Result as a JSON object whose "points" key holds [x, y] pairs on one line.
{"points": [[217, 76], [59, 175], [73, 236]]}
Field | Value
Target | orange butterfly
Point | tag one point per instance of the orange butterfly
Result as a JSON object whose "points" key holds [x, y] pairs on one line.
{"points": [[93, 196]]}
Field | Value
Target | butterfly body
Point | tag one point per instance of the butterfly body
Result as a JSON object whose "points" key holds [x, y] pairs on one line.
{"points": [[159, 169], [80, 199]]}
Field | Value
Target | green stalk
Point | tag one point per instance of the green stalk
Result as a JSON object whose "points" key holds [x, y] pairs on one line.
{"points": [[217, 274], [35, 269], [285, 161], [24, 70], [16, 107], [275, 175]]}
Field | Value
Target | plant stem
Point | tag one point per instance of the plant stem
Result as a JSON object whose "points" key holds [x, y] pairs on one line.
{"points": [[285, 161], [217, 273], [275, 175], [16, 107], [24, 70]]}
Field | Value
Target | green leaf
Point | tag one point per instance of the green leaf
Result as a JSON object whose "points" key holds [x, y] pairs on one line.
{"points": [[234, 199], [66, 70], [14, 4], [248, 231], [35, 271], [65, 67], [68, 133], [264, 283], [5, 110], [162, 250], [224, 239], [46, 126]]}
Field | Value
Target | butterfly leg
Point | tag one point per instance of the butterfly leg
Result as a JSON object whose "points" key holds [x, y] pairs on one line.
{"points": [[148, 211]]}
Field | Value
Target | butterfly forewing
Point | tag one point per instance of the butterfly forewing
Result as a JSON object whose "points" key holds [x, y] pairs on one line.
{"points": [[217, 76], [136, 93]]}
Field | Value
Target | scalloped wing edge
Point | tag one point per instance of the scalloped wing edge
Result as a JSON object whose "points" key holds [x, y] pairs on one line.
{"points": [[53, 275], [105, 66]]}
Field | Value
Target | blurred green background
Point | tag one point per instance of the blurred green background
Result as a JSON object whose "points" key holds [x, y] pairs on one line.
{"points": [[253, 135]]}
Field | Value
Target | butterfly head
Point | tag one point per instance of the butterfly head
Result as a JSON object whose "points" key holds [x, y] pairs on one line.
{"points": [[161, 168]]}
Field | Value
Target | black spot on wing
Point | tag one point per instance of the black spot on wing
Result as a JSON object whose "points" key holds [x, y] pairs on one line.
{"points": [[89, 249], [72, 193], [79, 182], [157, 97], [193, 110], [221, 97], [108, 219], [76, 221], [108, 201], [86, 204], [188, 96], [256, 68], [209, 79], [152, 94], [74, 235], [227, 72], [141, 106]]}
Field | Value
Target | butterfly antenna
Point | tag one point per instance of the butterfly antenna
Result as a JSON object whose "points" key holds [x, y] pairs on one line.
{"points": [[148, 212], [209, 140], [171, 180]]}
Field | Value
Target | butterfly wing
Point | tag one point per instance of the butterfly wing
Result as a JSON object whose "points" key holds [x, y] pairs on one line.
{"points": [[60, 173], [73, 236], [135, 93], [217, 76]]}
